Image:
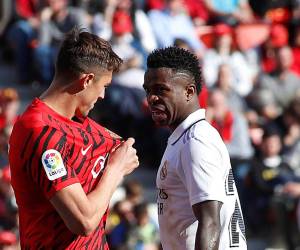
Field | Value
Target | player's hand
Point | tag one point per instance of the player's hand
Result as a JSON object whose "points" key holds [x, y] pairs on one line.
{"points": [[124, 159]]}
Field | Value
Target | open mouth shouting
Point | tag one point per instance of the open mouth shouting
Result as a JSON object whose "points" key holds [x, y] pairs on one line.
{"points": [[159, 114]]}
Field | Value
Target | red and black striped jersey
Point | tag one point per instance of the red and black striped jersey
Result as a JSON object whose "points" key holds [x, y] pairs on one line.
{"points": [[47, 153]]}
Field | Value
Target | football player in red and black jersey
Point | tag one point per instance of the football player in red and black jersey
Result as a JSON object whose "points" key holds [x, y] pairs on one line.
{"points": [[65, 167]]}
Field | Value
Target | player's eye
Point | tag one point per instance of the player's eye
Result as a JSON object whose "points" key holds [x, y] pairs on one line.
{"points": [[147, 90]]}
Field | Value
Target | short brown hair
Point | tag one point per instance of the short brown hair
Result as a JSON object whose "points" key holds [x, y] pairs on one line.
{"points": [[82, 51]]}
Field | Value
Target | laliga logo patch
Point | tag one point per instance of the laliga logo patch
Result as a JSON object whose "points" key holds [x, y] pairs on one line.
{"points": [[163, 171], [53, 164]]}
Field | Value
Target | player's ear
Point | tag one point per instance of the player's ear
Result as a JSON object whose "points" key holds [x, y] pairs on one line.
{"points": [[190, 90], [86, 79]]}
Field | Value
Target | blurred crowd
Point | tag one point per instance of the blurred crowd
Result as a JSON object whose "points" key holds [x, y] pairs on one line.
{"points": [[249, 51]]}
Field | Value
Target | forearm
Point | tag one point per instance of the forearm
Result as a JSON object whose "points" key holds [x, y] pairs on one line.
{"points": [[207, 237], [100, 197], [82, 213]]}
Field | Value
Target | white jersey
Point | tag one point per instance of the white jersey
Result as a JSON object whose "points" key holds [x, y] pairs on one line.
{"points": [[195, 168]]}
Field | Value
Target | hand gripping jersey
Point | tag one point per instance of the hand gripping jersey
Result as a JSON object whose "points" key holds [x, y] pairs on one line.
{"points": [[47, 153], [195, 168]]}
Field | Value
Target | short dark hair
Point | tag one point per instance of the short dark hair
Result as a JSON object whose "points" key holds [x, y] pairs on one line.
{"points": [[81, 51], [177, 59]]}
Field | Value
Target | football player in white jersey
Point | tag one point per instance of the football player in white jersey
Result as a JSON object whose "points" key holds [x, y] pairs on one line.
{"points": [[198, 204]]}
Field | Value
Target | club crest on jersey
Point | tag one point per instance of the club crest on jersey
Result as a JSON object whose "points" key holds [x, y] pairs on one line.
{"points": [[163, 172], [53, 164]]}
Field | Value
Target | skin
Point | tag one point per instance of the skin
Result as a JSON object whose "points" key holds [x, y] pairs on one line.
{"points": [[82, 212], [172, 97]]}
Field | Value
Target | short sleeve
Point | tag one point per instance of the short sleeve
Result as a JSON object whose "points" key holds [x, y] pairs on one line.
{"points": [[49, 161], [203, 171]]}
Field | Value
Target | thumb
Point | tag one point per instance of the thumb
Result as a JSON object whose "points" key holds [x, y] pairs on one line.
{"points": [[130, 141]]}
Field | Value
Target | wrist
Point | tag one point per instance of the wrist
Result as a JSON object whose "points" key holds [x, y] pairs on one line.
{"points": [[113, 174]]}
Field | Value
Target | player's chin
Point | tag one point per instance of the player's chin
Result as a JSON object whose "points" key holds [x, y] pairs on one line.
{"points": [[85, 113], [160, 122]]}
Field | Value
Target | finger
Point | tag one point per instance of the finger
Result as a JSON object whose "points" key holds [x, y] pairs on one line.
{"points": [[130, 141]]}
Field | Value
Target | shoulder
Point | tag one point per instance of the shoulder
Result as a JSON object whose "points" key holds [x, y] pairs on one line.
{"points": [[35, 123], [205, 132], [202, 137], [99, 129]]}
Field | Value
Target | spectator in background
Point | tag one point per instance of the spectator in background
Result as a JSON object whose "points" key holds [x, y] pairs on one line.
{"points": [[142, 37], [231, 125], [296, 48], [278, 37], [124, 220], [275, 11], [131, 73], [282, 83], [232, 12], [8, 206], [289, 124], [9, 106], [198, 11], [56, 20], [234, 130], [22, 35], [268, 174], [6, 12], [134, 192], [173, 22], [224, 83], [224, 52], [143, 234], [8, 241]]}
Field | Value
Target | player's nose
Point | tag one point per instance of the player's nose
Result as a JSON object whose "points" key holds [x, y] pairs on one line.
{"points": [[151, 99]]}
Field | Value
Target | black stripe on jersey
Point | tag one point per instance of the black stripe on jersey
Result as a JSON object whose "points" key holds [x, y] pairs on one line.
{"points": [[45, 145], [26, 144], [75, 159], [67, 156], [95, 238], [73, 173], [49, 186], [103, 241], [85, 138], [35, 146], [61, 143], [89, 129], [72, 149], [102, 140], [78, 169]]}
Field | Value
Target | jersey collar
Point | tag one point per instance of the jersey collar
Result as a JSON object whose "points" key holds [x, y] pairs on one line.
{"points": [[186, 124]]}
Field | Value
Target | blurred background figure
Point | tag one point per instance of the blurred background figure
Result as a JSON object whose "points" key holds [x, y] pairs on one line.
{"points": [[144, 233], [23, 34], [9, 107], [268, 174], [231, 13], [224, 51], [173, 22], [55, 20]]}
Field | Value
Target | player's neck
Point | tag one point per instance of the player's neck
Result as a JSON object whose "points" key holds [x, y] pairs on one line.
{"points": [[185, 113], [61, 102]]}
